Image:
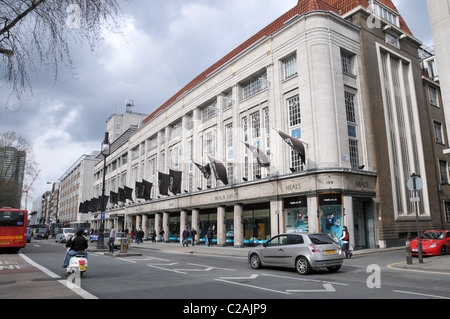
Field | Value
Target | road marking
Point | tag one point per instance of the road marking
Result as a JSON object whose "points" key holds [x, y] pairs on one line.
{"points": [[162, 268], [392, 266], [43, 269], [224, 279], [81, 292], [419, 294], [328, 288], [78, 290]]}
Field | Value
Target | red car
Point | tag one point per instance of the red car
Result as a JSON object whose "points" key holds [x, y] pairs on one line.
{"points": [[434, 242]]}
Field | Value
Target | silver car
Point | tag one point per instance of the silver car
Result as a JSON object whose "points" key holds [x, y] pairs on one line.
{"points": [[301, 251]]}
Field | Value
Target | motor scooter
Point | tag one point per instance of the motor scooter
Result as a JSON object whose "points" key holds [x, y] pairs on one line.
{"points": [[77, 262]]}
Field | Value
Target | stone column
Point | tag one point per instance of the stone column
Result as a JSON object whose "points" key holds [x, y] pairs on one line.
{"points": [[221, 229], [238, 226], [183, 222], [144, 226], [157, 225], [166, 226], [196, 222]]}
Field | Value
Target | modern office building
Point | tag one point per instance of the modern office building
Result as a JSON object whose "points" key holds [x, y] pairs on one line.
{"points": [[315, 122], [12, 172]]}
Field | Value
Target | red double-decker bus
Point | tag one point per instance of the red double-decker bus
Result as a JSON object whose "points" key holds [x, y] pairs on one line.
{"points": [[13, 228]]}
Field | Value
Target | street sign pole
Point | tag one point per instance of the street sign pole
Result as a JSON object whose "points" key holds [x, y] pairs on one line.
{"points": [[416, 187]]}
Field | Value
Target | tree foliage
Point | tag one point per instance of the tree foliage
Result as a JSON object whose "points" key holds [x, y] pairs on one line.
{"points": [[39, 32]]}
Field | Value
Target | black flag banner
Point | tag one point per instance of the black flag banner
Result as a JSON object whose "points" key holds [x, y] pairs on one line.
{"points": [[105, 203], [295, 143], [219, 170], [147, 189], [139, 190], [114, 197], [93, 205], [175, 181], [86, 206], [164, 180], [128, 193], [122, 197], [205, 169], [261, 157], [81, 208]]}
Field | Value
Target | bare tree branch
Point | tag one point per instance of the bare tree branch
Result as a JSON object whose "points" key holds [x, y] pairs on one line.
{"points": [[36, 33]]}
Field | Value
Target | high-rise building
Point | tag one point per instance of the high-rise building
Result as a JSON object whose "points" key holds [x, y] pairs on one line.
{"points": [[12, 170]]}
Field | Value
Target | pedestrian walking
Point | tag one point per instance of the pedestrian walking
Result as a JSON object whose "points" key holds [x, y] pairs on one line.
{"points": [[154, 236], [139, 236], [346, 242], [112, 238], [209, 236], [185, 237], [193, 236], [161, 235]]}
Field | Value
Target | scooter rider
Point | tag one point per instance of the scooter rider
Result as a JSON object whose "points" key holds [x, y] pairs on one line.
{"points": [[77, 244]]}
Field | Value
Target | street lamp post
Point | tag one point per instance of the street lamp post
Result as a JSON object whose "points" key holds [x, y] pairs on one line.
{"points": [[101, 234]]}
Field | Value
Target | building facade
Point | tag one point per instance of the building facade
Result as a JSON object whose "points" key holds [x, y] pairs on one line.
{"points": [[76, 186], [342, 77]]}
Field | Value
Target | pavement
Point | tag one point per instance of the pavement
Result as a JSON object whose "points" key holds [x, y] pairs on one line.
{"points": [[435, 264]]}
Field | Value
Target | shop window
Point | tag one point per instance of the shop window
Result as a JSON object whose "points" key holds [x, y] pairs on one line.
{"points": [[296, 214], [330, 215]]}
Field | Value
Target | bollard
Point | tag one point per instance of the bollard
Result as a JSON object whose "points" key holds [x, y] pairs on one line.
{"points": [[408, 253], [124, 245]]}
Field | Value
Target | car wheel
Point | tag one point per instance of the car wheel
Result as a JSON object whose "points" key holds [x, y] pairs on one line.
{"points": [[334, 268], [443, 250], [255, 262], [302, 266]]}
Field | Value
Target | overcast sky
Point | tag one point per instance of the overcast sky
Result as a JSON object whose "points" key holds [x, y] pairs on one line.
{"points": [[165, 45]]}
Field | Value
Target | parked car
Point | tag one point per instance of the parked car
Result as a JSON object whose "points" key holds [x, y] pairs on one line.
{"points": [[301, 251], [64, 234], [434, 242], [118, 240], [41, 233]]}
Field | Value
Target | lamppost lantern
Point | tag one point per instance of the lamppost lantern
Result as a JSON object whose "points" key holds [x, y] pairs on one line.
{"points": [[105, 151], [105, 145]]}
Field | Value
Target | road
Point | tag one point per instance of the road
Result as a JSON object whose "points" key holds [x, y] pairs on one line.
{"points": [[190, 277]]}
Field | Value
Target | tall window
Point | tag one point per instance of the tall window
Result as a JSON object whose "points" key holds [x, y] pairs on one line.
{"points": [[255, 85], [294, 111], [443, 170], [438, 133], [433, 95], [209, 111], [295, 129], [347, 62], [229, 150], [350, 107], [290, 67], [256, 125], [245, 138]]}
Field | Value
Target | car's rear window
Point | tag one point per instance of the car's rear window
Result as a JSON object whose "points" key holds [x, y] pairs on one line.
{"points": [[321, 239]]}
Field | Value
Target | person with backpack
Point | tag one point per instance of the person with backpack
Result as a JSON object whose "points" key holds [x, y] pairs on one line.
{"points": [[346, 242]]}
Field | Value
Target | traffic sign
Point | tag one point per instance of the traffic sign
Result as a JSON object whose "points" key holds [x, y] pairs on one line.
{"points": [[415, 183]]}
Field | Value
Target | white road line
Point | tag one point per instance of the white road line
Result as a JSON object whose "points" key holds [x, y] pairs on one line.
{"points": [[83, 293], [419, 294], [43, 269], [254, 287]]}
